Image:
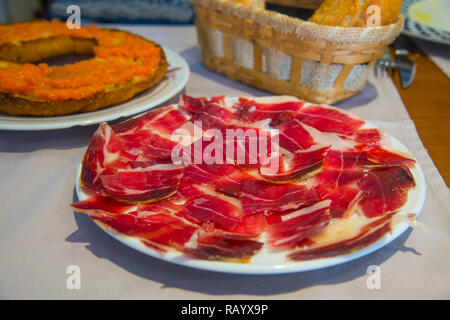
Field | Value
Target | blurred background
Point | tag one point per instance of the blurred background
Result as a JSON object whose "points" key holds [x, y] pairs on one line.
{"points": [[136, 11]]}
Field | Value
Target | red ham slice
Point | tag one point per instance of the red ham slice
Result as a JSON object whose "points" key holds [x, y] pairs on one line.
{"points": [[251, 226], [230, 184], [295, 166], [380, 156], [143, 184], [219, 245], [149, 135], [163, 121], [343, 199], [340, 171], [368, 235], [204, 173], [293, 137], [385, 190], [212, 113], [104, 155], [210, 209], [341, 168], [147, 145], [266, 197], [367, 139], [251, 111], [328, 119], [154, 224], [289, 230], [99, 205]]}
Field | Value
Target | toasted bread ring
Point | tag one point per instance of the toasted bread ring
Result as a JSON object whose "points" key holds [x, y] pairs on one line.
{"points": [[35, 100]]}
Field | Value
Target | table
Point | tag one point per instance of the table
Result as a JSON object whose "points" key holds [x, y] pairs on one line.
{"points": [[428, 103], [42, 238]]}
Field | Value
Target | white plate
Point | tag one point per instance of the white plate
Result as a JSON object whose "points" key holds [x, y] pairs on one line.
{"points": [[427, 19], [276, 263], [168, 87]]}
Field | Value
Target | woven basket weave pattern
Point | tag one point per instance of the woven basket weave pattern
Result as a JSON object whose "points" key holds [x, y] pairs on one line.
{"points": [[305, 4], [268, 55]]}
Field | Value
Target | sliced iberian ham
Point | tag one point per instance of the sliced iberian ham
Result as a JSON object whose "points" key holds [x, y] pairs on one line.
{"points": [[293, 136], [385, 190], [149, 136], [212, 113], [162, 121], [294, 166], [231, 184], [337, 180], [290, 229], [99, 205], [381, 156], [154, 224], [329, 119], [265, 197], [158, 231], [312, 180], [254, 110], [333, 241], [212, 209], [151, 183], [221, 245], [341, 168], [104, 155], [367, 139]]}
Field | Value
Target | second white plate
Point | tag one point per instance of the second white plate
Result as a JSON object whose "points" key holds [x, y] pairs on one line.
{"points": [[174, 81]]}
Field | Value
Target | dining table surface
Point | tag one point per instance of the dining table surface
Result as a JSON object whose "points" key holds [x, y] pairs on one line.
{"points": [[427, 100], [44, 240]]}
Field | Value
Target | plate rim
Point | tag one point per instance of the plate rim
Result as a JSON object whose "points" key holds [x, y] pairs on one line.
{"points": [[288, 266], [17, 123], [410, 22]]}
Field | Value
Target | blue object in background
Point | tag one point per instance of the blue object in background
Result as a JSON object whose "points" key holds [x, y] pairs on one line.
{"points": [[136, 11]]}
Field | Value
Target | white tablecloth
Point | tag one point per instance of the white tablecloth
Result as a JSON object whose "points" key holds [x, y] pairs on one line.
{"points": [[40, 235]]}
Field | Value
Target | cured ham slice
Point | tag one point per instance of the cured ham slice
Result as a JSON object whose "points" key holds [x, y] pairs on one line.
{"points": [[336, 182], [104, 155], [368, 139], [385, 190], [266, 197], [380, 156], [204, 173], [99, 205], [147, 145], [212, 113], [143, 184], [211, 209], [328, 119], [295, 166], [230, 184], [219, 245], [251, 226], [159, 231], [293, 137], [368, 234], [292, 228], [343, 199], [154, 224], [251, 111], [163, 121], [341, 168], [148, 136]]}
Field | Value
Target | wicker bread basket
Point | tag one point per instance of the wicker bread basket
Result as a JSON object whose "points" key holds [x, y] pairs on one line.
{"points": [[285, 55], [304, 4]]}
